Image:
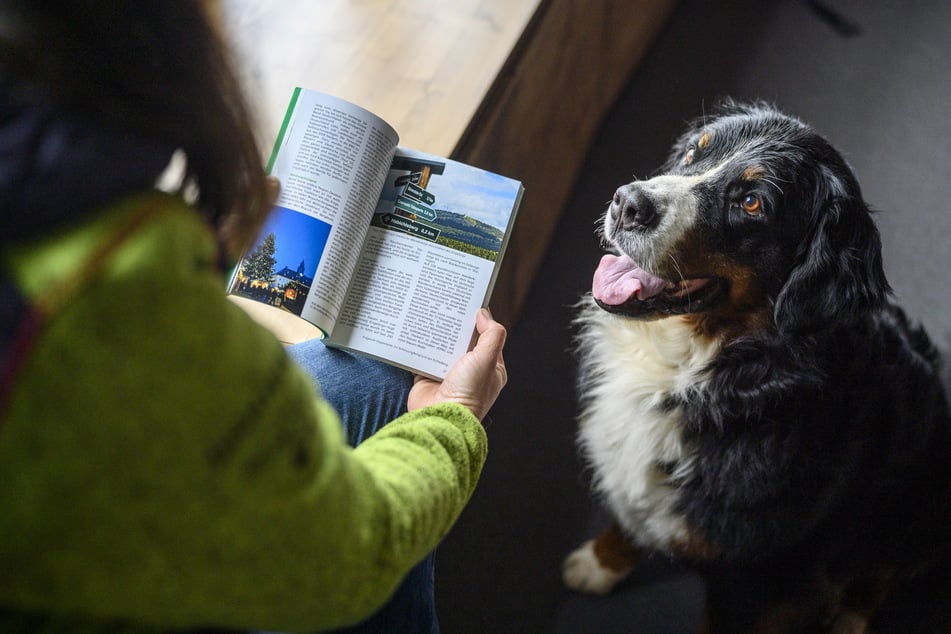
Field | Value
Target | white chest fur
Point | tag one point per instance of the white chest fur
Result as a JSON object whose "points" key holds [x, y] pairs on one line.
{"points": [[629, 368]]}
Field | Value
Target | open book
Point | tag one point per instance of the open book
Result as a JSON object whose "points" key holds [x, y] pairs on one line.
{"points": [[389, 252]]}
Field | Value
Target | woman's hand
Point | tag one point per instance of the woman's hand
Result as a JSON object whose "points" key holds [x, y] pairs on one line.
{"points": [[475, 380]]}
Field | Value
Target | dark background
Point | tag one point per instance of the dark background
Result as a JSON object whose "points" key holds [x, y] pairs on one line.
{"points": [[874, 78]]}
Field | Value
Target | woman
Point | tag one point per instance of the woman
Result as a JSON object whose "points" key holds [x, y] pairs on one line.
{"points": [[164, 463]]}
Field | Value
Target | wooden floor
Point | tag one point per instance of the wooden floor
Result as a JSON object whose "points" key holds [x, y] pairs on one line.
{"points": [[425, 66], [514, 86]]}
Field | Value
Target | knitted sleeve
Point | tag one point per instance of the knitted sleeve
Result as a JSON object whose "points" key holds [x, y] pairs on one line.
{"points": [[163, 461]]}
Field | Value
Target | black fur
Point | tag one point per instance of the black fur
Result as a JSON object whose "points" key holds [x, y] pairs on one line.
{"points": [[822, 440]]}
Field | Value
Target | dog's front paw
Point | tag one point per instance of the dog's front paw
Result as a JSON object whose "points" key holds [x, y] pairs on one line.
{"points": [[849, 622], [583, 572]]}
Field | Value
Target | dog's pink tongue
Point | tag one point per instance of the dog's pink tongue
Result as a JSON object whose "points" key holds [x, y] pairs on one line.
{"points": [[618, 279]]}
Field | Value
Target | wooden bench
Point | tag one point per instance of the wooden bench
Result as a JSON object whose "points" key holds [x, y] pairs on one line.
{"points": [[519, 87]]}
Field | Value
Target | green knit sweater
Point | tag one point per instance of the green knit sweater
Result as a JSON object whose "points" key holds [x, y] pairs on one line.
{"points": [[164, 464]]}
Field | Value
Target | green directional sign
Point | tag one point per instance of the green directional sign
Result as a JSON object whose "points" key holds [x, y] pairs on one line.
{"points": [[415, 207], [415, 191], [406, 225]]}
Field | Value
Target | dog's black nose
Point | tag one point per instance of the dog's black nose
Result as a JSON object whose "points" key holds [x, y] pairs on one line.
{"points": [[633, 208]]}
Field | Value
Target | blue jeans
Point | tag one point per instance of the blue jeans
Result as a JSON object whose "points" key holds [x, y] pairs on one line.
{"points": [[368, 394]]}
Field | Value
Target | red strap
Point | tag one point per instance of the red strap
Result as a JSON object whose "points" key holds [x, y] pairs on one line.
{"points": [[26, 333]]}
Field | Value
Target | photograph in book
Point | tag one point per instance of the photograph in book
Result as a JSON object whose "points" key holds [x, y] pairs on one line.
{"points": [[279, 268], [446, 202]]}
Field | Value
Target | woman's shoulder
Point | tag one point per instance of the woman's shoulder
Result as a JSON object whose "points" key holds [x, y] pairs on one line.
{"points": [[137, 233]]}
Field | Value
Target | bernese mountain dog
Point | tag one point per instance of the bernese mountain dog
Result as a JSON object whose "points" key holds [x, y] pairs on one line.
{"points": [[753, 401]]}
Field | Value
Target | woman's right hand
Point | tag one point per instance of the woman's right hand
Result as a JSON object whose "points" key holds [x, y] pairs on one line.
{"points": [[475, 380]]}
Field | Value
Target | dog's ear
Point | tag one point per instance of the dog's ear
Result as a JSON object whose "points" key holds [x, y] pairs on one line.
{"points": [[838, 274]]}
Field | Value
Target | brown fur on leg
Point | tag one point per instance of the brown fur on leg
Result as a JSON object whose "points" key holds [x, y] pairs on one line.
{"points": [[615, 551], [695, 548], [601, 563], [862, 600]]}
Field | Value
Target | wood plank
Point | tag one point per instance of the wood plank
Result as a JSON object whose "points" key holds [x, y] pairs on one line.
{"points": [[544, 112], [423, 65]]}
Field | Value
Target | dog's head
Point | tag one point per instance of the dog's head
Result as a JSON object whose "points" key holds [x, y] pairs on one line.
{"points": [[756, 217]]}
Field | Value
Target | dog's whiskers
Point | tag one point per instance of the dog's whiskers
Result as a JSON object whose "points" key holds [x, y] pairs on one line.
{"points": [[680, 274]]}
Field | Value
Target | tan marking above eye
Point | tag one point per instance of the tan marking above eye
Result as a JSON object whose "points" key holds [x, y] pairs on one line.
{"points": [[705, 139], [753, 173]]}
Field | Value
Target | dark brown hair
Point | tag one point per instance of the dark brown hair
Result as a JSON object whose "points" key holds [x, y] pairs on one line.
{"points": [[154, 69]]}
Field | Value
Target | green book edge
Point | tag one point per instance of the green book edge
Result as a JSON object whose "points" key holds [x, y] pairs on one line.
{"points": [[284, 124]]}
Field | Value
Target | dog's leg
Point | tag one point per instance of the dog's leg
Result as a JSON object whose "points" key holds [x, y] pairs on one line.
{"points": [[849, 622], [806, 603], [860, 603], [601, 563]]}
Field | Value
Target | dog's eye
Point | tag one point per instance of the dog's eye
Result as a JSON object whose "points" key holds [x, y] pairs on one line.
{"points": [[688, 157], [752, 204]]}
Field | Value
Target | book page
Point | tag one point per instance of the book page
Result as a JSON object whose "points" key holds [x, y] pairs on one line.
{"points": [[429, 262], [331, 157]]}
